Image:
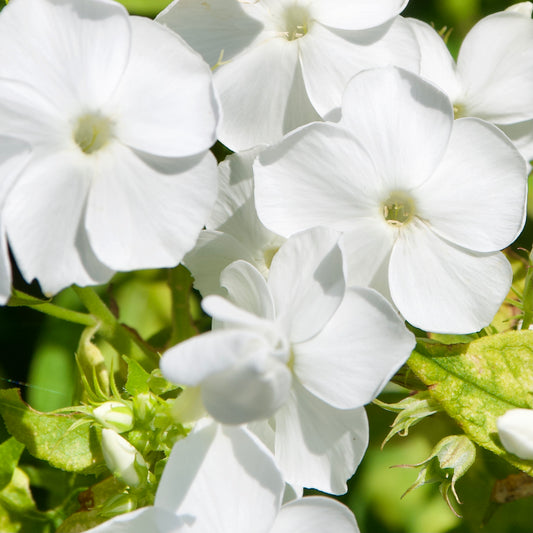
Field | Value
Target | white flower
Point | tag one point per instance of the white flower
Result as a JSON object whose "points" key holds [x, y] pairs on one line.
{"points": [[424, 202], [515, 429], [233, 231], [120, 113], [491, 79], [284, 63], [223, 479], [298, 349]]}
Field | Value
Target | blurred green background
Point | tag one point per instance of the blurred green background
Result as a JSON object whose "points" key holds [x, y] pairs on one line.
{"points": [[37, 355]]}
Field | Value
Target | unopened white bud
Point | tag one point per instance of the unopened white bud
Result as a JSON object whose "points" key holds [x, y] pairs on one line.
{"points": [[124, 461], [114, 415], [515, 428], [522, 8]]}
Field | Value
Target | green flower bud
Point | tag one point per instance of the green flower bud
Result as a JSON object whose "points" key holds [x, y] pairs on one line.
{"points": [[449, 460], [114, 415], [123, 460]]}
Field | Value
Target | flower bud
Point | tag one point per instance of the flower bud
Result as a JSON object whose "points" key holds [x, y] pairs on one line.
{"points": [[515, 429], [124, 461], [522, 8], [449, 460], [114, 415]]}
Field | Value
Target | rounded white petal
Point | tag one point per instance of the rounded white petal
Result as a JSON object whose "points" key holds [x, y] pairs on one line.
{"points": [[359, 15], [165, 103], [366, 248], [402, 121], [317, 176], [142, 520], [254, 90], [330, 58], [194, 360], [496, 72], [72, 52], [347, 366], [247, 289], [315, 514], [436, 63], [213, 252], [440, 287], [318, 446], [252, 390], [521, 133], [220, 27], [144, 211], [476, 198], [221, 479], [307, 282], [43, 222], [28, 114], [524, 8], [515, 429]]}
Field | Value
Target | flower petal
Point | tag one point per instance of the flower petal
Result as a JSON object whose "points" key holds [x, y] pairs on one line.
{"points": [[315, 514], [165, 103], [330, 58], [249, 116], [359, 15], [194, 360], [42, 216], [218, 28], [299, 184], [307, 282], [515, 429], [221, 479], [63, 48], [318, 446], [213, 252], [436, 63], [402, 121], [247, 289], [440, 287], [147, 212], [348, 367], [476, 197], [495, 72]]}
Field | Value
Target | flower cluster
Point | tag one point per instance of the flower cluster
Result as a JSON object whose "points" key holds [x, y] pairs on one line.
{"points": [[374, 182]]}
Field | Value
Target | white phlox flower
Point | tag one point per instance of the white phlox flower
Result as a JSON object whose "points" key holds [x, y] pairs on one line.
{"points": [[515, 429], [120, 113], [233, 230], [424, 202], [284, 63], [285, 351], [224, 479], [492, 78]]}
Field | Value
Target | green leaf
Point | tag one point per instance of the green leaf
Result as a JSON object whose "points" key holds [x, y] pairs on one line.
{"points": [[57, 438], [137, 382], [10, 452], [476, 383]]}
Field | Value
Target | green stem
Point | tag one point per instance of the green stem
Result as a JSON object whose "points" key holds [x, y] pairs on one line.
{"points": [[124, 340], [19, 299], [180, 282]]}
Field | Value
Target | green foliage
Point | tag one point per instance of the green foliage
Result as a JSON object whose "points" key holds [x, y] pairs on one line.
{"points": [[476, 383], [57, 438]]}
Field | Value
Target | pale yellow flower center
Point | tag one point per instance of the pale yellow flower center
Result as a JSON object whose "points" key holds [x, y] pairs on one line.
{"points": [[296, 20], [398, 208], [92, 132]]}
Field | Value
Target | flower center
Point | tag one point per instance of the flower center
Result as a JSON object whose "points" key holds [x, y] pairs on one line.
{"points": [[458, 110], [92, 132], [296, 22], [398, 209]]}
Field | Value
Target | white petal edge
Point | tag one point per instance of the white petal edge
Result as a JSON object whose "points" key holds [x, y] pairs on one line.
{"points": [[515, 429]]}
